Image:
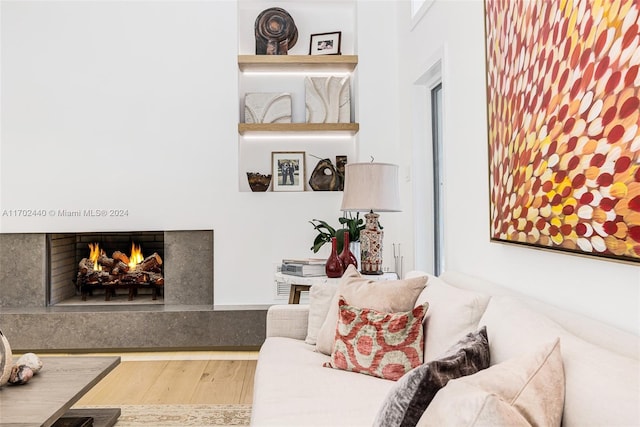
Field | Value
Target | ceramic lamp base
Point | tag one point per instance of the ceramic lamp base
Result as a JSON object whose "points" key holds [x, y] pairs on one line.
{"points": [[371, 246]]}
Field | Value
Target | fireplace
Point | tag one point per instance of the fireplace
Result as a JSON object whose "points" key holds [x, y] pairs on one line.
{"points": [[109, 267], [186, 320]]}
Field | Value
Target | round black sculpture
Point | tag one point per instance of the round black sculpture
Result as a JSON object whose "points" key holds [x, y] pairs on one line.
{"points": [[275, 32]]}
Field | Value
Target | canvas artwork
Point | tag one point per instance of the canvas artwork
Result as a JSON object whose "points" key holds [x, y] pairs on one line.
{"points": [[563, 125]]}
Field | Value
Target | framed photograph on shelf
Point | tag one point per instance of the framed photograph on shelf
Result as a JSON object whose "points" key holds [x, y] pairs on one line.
{"points": [[325, 43], [288, 170]]}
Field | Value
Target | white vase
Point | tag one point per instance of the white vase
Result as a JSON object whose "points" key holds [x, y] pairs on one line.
{"points": [[354, 247]]}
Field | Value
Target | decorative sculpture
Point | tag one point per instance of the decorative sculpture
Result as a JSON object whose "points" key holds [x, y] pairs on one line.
{"points": [[267, 107], [327, 99], [6, 360], [324, 177], [275, 32]]}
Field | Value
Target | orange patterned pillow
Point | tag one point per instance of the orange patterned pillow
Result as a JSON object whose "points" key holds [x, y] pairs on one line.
{"points": [[385, 345]]}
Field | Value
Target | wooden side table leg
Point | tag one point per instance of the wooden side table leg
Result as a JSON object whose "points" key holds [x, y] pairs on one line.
{"points": [[292, 295]]}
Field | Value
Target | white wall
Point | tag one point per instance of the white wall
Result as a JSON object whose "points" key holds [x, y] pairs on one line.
{"points": [[147, 92], [137, 102], [454, 32]]}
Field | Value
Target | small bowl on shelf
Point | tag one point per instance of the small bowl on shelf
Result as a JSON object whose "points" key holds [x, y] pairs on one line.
{"points": [[258, 182]]}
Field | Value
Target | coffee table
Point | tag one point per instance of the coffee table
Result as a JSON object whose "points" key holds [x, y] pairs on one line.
{"points": [[49, 395]]}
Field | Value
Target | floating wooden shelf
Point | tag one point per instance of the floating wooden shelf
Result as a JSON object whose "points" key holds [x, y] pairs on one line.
{"points": [[295, 63], [351, 128]]}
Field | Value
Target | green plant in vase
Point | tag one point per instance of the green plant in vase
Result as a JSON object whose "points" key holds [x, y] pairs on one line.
{"points": [[352, 224]]}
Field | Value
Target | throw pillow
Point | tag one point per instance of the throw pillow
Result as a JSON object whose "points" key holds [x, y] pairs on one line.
{"points": [[320, 297], [389, 296], [385, 345], [527, 390], [453, 313], [411, 395]]}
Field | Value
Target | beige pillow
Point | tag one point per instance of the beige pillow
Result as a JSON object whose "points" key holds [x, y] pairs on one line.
{"points": [[452, 314], [390, 296], [320, 297], [524, 391]]}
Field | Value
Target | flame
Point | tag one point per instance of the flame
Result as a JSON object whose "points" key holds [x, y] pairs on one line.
{"points": [[94, 254], [136, 256]]}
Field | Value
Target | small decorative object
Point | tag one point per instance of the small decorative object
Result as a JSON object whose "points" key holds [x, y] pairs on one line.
{"points": [[333, 268], [32, 361], [369, 187], [341, 161], [258, 182], [20, 374], [267, 108], [6, 360], [288, 170], [327, 99], [324, 176], [346, 257], [325, 43], [275, 32]]}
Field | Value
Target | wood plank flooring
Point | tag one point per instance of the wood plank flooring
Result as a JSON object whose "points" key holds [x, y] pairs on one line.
{"points": [[191, 380]]}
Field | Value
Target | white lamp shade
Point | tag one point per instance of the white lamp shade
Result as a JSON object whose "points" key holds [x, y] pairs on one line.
{"points": [[371, 187]]}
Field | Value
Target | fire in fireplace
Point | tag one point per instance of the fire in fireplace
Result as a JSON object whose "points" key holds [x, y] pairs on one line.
{"points": [[132, 272]]}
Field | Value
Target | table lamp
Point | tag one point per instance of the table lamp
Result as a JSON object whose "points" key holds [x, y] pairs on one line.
{"points": [[371, 187]]}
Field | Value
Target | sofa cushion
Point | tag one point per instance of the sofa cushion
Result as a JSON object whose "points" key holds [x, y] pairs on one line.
{"points": [[390, 296], [291, 388], [320, 298], [385, 345], [453, 313], [591, 372], [523, 391], [411, 395]]}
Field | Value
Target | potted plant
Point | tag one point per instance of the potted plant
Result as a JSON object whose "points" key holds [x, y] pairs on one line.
{"points": [[352, 224]]}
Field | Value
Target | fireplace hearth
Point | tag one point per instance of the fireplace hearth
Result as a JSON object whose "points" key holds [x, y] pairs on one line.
{"points": [[186, 320]]}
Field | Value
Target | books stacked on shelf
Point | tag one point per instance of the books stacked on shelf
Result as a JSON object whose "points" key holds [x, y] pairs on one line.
{"points": [[307, 267]]}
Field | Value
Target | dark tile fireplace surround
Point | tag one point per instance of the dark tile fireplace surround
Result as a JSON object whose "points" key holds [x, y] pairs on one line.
{"points": [[33, 320]]}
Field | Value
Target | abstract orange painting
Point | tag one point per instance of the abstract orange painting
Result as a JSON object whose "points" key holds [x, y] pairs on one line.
{"points": [[563, 124]]}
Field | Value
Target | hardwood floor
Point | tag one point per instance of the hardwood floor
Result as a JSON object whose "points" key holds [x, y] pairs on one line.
{"points": [[210, 378]]}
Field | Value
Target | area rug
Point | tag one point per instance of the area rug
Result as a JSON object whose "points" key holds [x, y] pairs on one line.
{"points": [[183, 415]]}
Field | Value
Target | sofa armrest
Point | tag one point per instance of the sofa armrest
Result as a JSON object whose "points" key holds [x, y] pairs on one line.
{"points": [[288, 320]]}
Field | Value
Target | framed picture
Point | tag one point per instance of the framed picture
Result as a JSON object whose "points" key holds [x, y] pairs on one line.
{"points": [[288, 170], [325, 43], [564, 127]]}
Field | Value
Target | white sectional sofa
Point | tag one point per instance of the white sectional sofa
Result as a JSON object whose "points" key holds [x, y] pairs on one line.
{"points": [[601, 363]]}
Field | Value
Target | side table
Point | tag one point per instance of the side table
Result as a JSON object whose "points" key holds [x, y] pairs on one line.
{"points": [[299, 284]]}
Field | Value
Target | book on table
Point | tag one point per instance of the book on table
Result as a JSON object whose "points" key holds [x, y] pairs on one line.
{"points": [[304, 270], [305, 261]]}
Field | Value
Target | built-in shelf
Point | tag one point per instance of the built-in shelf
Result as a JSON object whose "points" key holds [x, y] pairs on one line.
{"points": [[344, 63], [257, 141], [351, 128]]}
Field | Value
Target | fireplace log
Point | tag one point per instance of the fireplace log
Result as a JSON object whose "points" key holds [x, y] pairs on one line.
{"points": [[150, 263], [105, 261], [95, 277], [121, 257], [156, 279], [135, 277], [120, 268], [85, 266]]}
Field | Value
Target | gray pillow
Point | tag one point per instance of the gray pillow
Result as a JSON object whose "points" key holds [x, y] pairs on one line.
{"points": [[412, 393]]}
